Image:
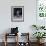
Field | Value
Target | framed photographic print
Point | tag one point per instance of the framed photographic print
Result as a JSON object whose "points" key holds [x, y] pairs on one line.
{"points": [[17, 13]]}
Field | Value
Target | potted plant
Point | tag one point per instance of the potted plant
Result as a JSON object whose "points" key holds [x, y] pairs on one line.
{"points": [[39, 35]]}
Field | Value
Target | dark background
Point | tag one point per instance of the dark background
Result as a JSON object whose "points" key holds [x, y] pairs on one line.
{"points": [[15, 11]]}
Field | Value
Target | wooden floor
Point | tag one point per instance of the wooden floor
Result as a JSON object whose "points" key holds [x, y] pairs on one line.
{"points": [[13, 44]]}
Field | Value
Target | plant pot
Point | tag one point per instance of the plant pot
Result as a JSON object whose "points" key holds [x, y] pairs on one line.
{"points": [[40, 41]]}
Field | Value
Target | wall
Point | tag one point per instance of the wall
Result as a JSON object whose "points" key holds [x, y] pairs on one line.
{"points": [[29, 15]]}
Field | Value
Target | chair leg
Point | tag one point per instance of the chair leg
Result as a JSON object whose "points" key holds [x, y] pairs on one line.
{"points": [[5, 43], [5, 40], [17, 39]]}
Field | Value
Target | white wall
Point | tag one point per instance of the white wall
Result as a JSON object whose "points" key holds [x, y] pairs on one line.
{"points": [[29, 15]]}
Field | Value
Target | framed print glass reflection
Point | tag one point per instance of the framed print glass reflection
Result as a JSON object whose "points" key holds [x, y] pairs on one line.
{"points": [[17, 13]]}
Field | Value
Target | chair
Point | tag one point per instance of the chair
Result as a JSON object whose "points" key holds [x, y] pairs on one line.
{"points": [[25, 43], [8, 36], [14, 32]]}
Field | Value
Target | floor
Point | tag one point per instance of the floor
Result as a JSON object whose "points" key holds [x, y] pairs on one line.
{"points": [[13, 44]]}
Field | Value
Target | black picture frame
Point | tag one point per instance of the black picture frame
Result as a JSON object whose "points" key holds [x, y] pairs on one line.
{"points": [[17, 13]]}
